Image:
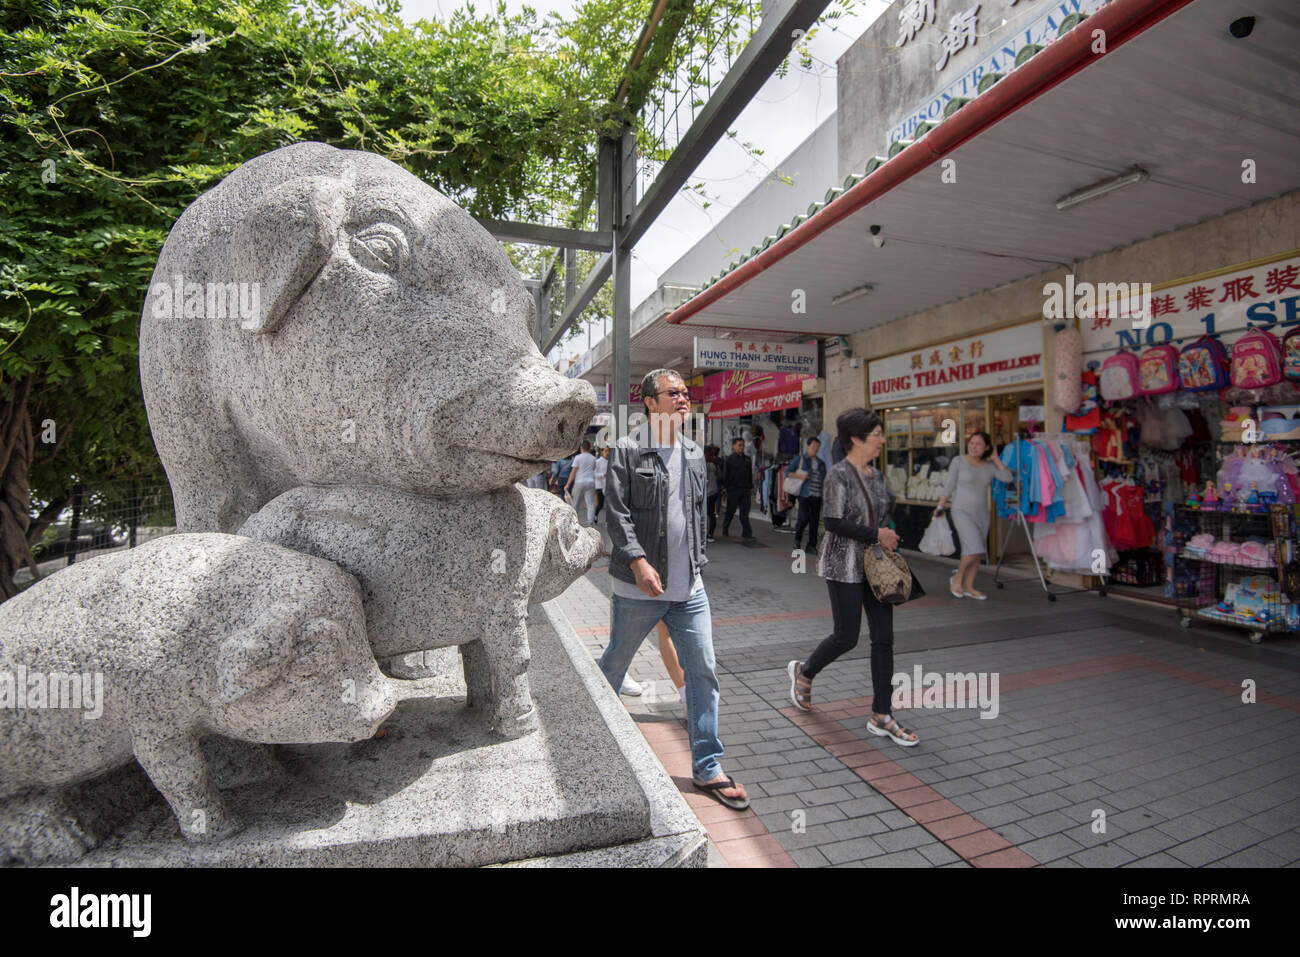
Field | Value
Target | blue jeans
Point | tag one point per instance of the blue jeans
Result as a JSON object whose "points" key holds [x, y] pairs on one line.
{"points": [[690, 625]]}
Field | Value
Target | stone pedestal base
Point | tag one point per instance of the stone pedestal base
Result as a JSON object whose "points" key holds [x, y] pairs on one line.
{"points": [[438, 790]]}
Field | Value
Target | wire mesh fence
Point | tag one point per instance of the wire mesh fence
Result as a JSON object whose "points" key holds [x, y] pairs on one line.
{"points": [[100, 519]]}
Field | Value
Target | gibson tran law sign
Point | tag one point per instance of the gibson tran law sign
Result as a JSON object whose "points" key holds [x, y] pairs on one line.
{"points": [[751, 355], [981, 363]]}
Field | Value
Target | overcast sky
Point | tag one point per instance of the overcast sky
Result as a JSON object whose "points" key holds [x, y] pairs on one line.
{"points": [[785, 111]]}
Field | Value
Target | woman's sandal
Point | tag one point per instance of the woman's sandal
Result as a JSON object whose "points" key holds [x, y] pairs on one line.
{"points": [[952, 586], [892, 729], [714, 790], [800, 687]]}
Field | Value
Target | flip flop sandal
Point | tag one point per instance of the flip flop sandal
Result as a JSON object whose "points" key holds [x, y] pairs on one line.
{"points": [[714, 790], [802, 699], [892, 730]]}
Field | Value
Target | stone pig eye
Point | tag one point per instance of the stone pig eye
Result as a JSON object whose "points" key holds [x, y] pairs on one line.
{"points": [[379, 247]]}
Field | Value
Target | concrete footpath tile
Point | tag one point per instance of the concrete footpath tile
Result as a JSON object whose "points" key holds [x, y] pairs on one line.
{"points": [[938, 854], [1108, 855], [1048, 849], [859, 827], [1148, 841], [908, 858], [904, 838], [1155, 860], [809, 857], [1253, 857], [1187, 827], [1199, 852], [857, 849]]}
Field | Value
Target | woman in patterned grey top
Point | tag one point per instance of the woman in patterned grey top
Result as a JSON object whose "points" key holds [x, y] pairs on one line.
{"points": [[857, 510]]}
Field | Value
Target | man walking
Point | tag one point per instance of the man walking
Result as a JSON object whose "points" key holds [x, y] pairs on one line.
{"points": [[738, 485], [810, 495], [654, 501]]}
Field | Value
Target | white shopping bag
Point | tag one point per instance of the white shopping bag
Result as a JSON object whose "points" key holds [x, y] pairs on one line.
{"points": [[937, 539]]}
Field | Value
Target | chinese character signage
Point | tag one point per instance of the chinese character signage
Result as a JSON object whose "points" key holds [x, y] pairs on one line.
{"points": [[980, 363], [1224, 306], [728, 395], [752, 355]]}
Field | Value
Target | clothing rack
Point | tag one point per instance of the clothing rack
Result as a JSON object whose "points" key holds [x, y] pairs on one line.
{"points": [[1018, 517]]}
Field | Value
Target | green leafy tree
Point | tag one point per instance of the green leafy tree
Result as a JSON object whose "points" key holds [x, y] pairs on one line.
{"points": [[113, 118]]}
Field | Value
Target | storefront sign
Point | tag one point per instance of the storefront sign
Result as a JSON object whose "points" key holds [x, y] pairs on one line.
{"points": [[1041, 29], [728, 395], [1224, 306], [750, 355], [980, 363]]}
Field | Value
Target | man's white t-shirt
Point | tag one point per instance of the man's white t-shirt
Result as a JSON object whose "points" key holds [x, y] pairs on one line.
{"points": [[585, 467], [676, 539]]}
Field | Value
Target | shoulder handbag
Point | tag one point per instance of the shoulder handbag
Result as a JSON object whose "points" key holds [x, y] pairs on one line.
{"points": [[886, 571], [793, 483]]}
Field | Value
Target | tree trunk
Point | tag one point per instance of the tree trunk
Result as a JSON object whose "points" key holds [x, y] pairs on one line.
{"points": [[15, 496]]}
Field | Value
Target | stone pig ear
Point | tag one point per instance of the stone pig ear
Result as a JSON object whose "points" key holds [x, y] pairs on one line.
{"points": [[284, 240], [252, 658]]}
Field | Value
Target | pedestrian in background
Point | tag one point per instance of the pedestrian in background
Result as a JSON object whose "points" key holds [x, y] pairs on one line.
{"points": [[602, 466], [858, 509], [582, 484], [560, 475], [969, 477], [810, 495], [714, 489], [737, 485]]}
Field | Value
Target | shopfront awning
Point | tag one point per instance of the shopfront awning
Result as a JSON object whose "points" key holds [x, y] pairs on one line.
{"points": [[1175, 94]]}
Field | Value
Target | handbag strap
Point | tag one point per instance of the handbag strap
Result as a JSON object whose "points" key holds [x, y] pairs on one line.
{"points": [[871, 519]]}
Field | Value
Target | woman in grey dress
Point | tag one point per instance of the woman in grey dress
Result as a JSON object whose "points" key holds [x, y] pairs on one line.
{"points": [[969, 477]]}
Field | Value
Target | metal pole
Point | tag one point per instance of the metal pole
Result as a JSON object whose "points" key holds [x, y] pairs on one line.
{"points": [[624, 202]]}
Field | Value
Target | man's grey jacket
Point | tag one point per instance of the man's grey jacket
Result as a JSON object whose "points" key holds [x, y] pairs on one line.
{"points": [[636, 505]]}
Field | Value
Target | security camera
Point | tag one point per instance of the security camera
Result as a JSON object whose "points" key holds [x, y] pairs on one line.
{"points": [[876, 238], [1241, 27]]}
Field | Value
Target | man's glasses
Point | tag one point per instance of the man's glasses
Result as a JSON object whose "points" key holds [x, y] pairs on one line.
{"points": [[675, 394]]}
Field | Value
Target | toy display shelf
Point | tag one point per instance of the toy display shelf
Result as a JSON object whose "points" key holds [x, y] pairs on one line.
{"points": [[1240, 591]]}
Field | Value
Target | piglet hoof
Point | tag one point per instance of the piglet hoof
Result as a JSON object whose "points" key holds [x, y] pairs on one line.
{"points": [[516, 726]]}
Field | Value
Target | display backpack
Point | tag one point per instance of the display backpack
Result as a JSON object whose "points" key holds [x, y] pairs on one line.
{"points": [[1069, 370], [1159, 370], [1256, 360], [1120, 377], [1203, 365], [1291, 355]]}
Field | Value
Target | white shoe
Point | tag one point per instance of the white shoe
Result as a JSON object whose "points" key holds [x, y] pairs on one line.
{"points": [[630, 688], [952, 589]]}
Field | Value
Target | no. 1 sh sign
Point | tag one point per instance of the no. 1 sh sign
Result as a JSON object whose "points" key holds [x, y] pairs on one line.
{"points": [[979, 363]]}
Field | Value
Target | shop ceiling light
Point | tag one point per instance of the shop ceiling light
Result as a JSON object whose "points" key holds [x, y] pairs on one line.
{"points": [[852, 294], [1135, 175]]}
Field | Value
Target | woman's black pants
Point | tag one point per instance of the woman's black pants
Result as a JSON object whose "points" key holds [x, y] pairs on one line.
{"points": [[848, 600]]}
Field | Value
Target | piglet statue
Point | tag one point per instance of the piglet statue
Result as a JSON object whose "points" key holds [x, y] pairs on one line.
{"points": [[441, 572], [139, 654], [323, 317]]}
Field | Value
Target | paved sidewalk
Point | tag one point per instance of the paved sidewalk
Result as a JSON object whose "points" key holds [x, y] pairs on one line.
{"points": [[1120, 739]]}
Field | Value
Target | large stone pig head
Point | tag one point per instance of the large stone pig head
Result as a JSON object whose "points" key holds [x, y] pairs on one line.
{"points": [[323, 317]]}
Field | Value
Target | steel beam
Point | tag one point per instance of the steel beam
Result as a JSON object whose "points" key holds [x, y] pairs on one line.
{"points": [[596, 279], [760, 58], [512, 232]]}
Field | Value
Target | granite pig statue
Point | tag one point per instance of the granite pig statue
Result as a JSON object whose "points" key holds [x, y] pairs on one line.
{"points": [[323, 317], [139, 654], [441, 572]]}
